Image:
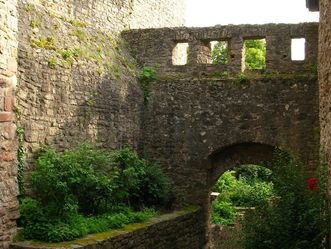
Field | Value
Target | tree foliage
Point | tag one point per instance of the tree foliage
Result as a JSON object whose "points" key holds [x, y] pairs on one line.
{"points": [[255, 54], [219, 53]]}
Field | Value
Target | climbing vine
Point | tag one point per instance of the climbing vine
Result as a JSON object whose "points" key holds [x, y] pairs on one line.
{"points": [[20, 151]]}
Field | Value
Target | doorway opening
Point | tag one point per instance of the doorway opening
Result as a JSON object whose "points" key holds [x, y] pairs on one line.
{"points": [[264, 198]]}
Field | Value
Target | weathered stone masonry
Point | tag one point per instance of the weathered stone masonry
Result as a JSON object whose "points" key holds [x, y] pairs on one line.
{"points": [[70, 90], [97, 96], [325, 81], [325, 76], [154, 47], [8, 167], [178, 230], [91, 95], [194, 111]]}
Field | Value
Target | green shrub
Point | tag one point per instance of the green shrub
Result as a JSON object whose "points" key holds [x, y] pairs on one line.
{"points": [[71, 180], [223, 212], [38, 227], [296, 219], [86, 190], [251, 193], [138, 181], [226, 182], [33, 219], [243, 187]]}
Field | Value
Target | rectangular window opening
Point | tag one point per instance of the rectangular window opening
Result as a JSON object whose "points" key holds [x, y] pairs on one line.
{"points": [[255, 54], [180, 54], [298, 49], [219, 52]]}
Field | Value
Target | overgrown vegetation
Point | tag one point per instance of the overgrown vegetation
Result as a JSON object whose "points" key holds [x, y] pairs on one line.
{"points": [[20, 151], [255, 54], [219, 53], [86, 190], [72, 42], [297, 218], [290, 208], [248, 186]]}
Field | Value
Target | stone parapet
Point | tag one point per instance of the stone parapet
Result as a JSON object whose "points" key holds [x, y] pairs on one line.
{"points": [[155, 47]]}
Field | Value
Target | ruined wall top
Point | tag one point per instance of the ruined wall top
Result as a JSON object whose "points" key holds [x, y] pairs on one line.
{"points": [[116, 15], [157, 47]]}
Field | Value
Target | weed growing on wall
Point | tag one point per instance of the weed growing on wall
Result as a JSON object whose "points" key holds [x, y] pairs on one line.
{"points": [[73, 42], [86, 190], [52, 62], [146, 76], [20, 151]]}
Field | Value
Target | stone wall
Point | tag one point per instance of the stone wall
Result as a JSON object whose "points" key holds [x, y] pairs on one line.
{"points": [[8, 167], [77, 83], [77, 80], [179, 230], [198, 108], [325, 81], [188, 120], [117, 15], [155, 47]]}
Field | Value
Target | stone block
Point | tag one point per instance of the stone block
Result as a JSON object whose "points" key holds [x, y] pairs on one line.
{"points": [[7, 116], [9, 131]]}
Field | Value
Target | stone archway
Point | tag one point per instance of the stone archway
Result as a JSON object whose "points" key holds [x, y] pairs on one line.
{"points": [[226, 158], [236, 155]]}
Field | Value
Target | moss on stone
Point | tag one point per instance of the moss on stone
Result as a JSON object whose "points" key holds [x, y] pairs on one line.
{"points": [[78, 43], [94, 238]]}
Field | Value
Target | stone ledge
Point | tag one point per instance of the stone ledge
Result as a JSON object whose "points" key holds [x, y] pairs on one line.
{"points": [[167, 225]]}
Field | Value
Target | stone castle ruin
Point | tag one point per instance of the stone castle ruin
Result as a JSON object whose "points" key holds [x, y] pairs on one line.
{"points": [[68, 73]]}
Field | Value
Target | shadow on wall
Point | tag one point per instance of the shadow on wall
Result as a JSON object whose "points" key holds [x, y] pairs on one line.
{"points": [[82, 107]]}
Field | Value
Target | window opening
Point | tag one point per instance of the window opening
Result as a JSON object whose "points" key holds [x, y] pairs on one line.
{"points": [[180, 54], [298, 49]]}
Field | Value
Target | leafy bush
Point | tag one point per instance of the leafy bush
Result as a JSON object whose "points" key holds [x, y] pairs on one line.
{"points": [[223, 212], [251, 193], [255, 54], [219, 54], [243, 187], [226, 182], [71, 186], [71, 180], [296, 219], [138, 181]]}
